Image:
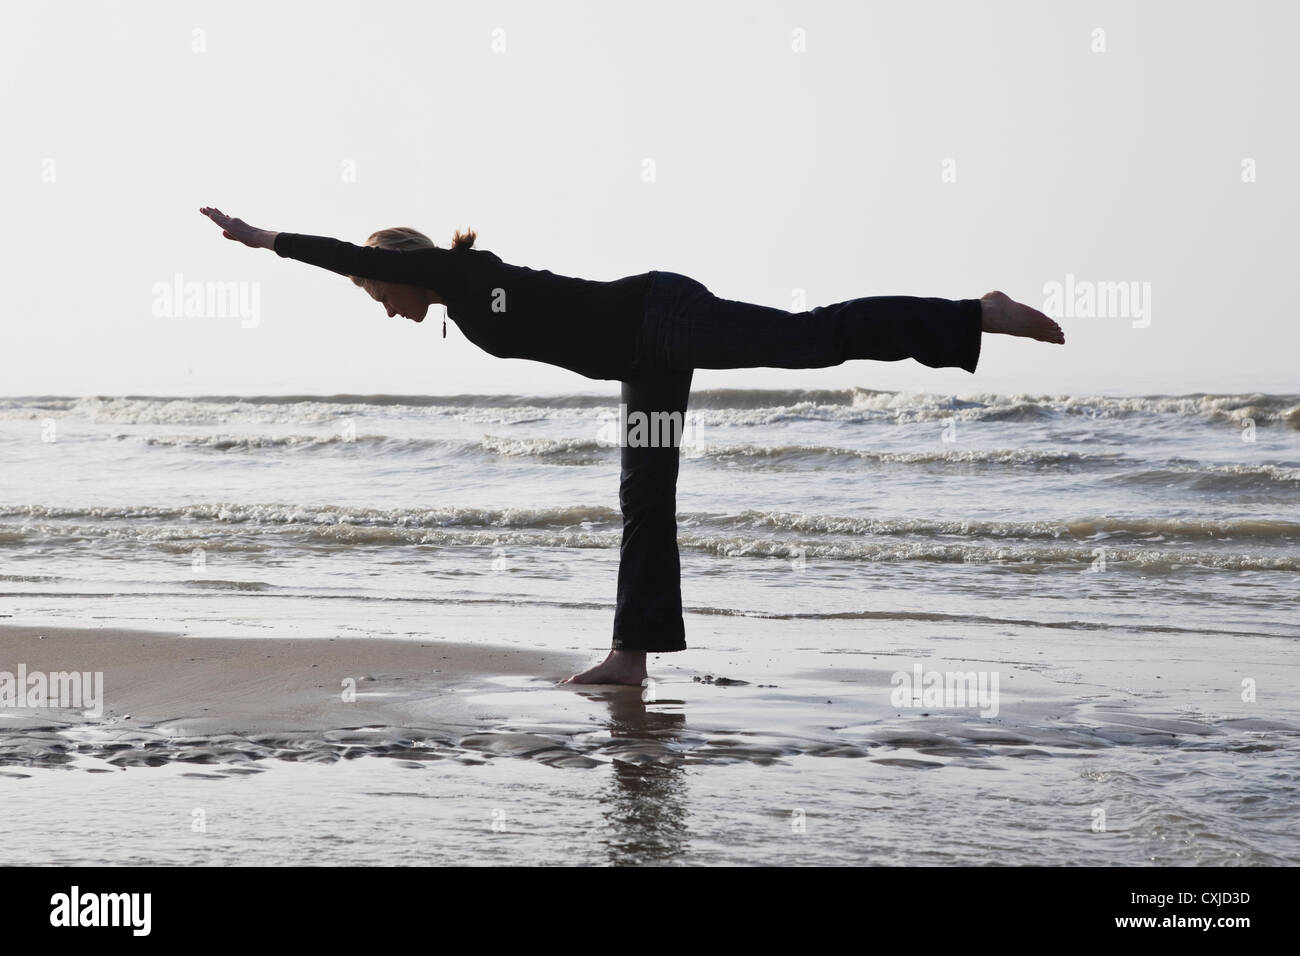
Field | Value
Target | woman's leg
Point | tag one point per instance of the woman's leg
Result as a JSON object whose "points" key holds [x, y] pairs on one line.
{"points": [[706, 331], [648, 614]]}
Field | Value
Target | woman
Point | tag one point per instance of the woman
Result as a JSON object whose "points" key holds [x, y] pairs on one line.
{"points": [[649, 332]]}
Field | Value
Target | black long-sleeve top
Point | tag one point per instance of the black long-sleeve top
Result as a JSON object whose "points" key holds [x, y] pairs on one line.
{"points": [[586, 326]]}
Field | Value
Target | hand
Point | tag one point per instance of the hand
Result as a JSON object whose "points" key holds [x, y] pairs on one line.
{"points": [[239, 230]]}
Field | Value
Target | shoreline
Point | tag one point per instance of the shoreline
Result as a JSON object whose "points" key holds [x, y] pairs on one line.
{"points": [[165, 685], [745, 691], [798, 717]]}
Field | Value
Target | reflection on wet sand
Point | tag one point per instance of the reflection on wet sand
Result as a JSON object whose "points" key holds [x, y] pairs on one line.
{"points": [[645, 803]]}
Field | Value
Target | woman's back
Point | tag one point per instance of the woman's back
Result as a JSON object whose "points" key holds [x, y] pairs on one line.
{"points": [[509, 311]]}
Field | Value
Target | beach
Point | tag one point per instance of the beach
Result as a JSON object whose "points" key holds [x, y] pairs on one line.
{"points": [[473, 753]]}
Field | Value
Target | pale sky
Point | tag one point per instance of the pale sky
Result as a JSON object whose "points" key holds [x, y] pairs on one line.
{"points": [[843, 148]]}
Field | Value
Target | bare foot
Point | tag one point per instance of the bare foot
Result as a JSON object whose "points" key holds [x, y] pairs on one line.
{"points": [[1003, 314], [620, 667]]}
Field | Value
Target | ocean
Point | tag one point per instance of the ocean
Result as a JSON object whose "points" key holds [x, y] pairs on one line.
{"points": [[847, 504]]}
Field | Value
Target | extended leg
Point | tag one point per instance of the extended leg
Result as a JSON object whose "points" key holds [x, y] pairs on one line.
{"points": [[712, 332]]}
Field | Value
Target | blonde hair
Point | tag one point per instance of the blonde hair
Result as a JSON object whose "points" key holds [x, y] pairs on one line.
{"points": [[404, 238]]}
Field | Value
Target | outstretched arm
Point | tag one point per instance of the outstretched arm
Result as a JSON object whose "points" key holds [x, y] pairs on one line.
{"points": [[430, 268]]}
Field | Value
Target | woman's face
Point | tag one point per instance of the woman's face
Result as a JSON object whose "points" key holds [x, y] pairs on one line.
{"points": [[408, 301]]}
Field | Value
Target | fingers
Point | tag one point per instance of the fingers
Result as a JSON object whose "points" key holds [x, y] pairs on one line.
{"points": [[229, 226], [216, 215]]}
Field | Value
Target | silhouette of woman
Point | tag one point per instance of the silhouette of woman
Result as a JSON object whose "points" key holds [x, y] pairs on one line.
{"points": [[649, 332]]}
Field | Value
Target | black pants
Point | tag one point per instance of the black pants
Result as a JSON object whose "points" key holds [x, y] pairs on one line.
{"points": [[687, 327]]}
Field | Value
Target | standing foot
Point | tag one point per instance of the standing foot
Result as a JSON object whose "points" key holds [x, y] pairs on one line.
{"points": [[620, 667], [1001, 313]]}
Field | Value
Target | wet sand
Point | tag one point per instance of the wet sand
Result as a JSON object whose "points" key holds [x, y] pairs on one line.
{"points": [[202, 699], [444, 734], [205, 699]]}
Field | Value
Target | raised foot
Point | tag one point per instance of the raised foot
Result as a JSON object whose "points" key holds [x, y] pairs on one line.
{"points": [[620, 667], [1003, 314]]}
